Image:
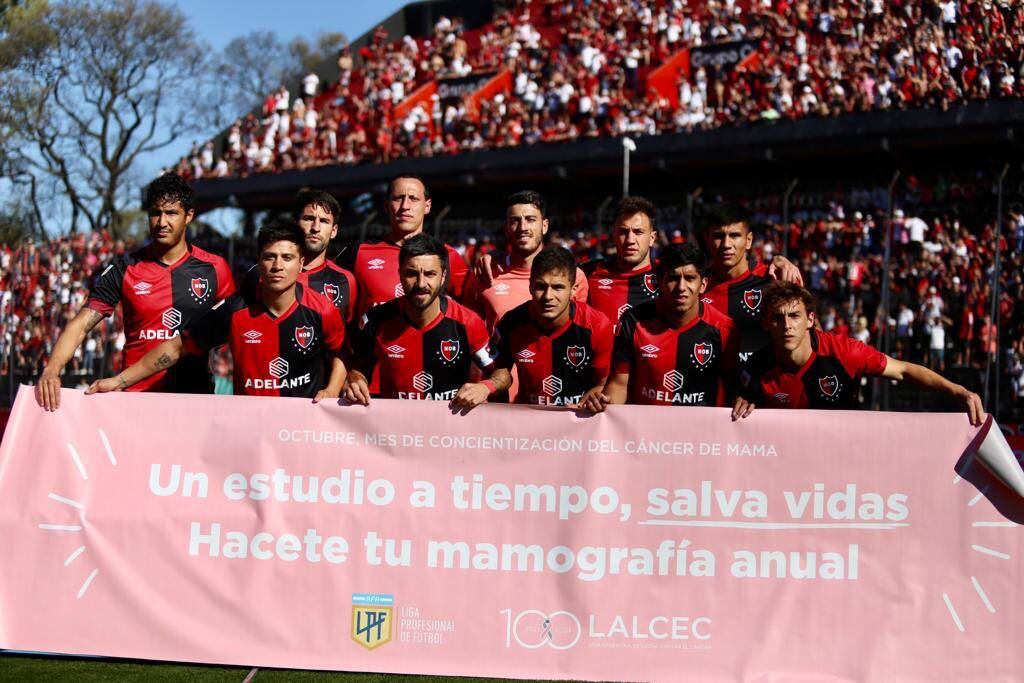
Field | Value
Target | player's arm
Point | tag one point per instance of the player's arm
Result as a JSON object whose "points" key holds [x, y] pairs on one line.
{"points": [[472, 394], [603, 339], [920, 376], [616, 388], [781, 268], [156, 360], [335, 383], [48, 387], [362, 359]]}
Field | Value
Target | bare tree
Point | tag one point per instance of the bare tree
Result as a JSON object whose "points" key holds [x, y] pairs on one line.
{"points": [[98, 84]]}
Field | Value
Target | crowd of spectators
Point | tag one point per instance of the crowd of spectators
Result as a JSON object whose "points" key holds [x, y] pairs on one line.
{"points": [[578, 69]]}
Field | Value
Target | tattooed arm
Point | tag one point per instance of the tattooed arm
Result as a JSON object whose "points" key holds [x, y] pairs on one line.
{"points": [[157, 359], [48, 387]]}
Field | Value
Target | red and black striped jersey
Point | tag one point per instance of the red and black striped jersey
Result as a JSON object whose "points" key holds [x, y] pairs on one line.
{"points": [[689, 365], [614, 292], [558, 367], [158, 302], [431, 362], [829, 379], [274, 356], [740, 299], [334, 282], [375, 266]]}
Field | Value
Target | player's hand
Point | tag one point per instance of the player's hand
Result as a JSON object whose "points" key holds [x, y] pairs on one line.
{"points": [[781, 268], [356, 389], [471, 394], [325, 394], [102, 386], [975, 408], [482, 270], [48, 390], [741, 409], [595, 400]]}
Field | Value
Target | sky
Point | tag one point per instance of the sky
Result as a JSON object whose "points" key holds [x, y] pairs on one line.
{"points": [[218, 21]]}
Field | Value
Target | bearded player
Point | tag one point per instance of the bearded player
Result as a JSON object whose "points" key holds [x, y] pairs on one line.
{"points": [[804, 367], [423, 342], [280, 339], [561, 348], [675, 350]]}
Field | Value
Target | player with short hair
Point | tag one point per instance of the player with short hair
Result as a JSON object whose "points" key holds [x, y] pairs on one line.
{"points": [[375, 262], [807, 368], [561, 348], [675, 350], [423, 342], [506, 283], [736, 281], [162, 288], [629, 279], [280, 338]]}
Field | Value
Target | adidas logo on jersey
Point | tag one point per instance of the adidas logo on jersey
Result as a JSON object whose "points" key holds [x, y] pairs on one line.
{"points": [[253, 337], [142, 288], [376, 264]]}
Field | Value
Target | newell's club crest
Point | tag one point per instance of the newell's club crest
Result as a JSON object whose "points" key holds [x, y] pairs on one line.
{"points": [[829, 385], [200, 287], [450, 350], [752, 299], [332, 291], [702, 353], [651, 283], [372, 619], [576, 355], [304, 336]]}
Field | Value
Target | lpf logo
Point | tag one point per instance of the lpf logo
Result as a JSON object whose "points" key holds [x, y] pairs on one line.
{"points": [[372, 619], [533, 629]]}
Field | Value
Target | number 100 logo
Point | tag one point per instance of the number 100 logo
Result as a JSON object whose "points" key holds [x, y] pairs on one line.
{"points": [[533, 629]]}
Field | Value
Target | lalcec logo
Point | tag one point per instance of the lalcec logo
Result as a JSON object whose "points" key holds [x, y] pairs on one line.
{"points": [[278, 367], [171, 318]]}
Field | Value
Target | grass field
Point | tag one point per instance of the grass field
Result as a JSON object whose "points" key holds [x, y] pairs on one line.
{"points": [[30, 668]]}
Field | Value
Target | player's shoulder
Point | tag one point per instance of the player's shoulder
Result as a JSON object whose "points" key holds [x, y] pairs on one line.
{"points": [[593, 267], [382, 313], [238, 301], [455, 311], [516, 317], [588, 316], [201, 254], [644, 312], [313, 300], [716, 318], [335, 268]]}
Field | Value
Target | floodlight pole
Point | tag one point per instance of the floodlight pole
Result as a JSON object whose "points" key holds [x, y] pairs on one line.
{"points": [[690, 199], [628, 145], [785, 215], [886, 286], [992, 363]]}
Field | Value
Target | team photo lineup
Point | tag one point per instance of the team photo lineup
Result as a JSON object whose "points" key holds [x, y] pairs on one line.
{"points": [[404, 318]]}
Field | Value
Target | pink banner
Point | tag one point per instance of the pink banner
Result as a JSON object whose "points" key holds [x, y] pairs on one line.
{"points": [[642, 544]]}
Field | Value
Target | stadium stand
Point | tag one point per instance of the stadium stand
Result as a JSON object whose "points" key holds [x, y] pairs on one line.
{"points": [[564, 70]]}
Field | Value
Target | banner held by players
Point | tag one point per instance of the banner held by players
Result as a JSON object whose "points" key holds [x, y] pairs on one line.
{"points": [[513, 541]]}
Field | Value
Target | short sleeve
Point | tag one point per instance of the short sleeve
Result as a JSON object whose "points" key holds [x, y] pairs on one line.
{"points": [[353, 295], [622, 350], [106, 287], [501, 342], [602, 340], [225, 280], [211, 330], [862, 360], [484, 354], [362, 343], [458, 272]]}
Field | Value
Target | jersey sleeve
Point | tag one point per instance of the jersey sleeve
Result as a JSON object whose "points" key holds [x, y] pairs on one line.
{"points": [[501, 342], [622, 350], [602, 341], [250, 282], [346, 258], [361, 341], [484, 354], [860, 359], [353, 295], [334, 329], [582, 286], [106, 287], [211, 330], [472, 295], [225, 280], [457, 274]]}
